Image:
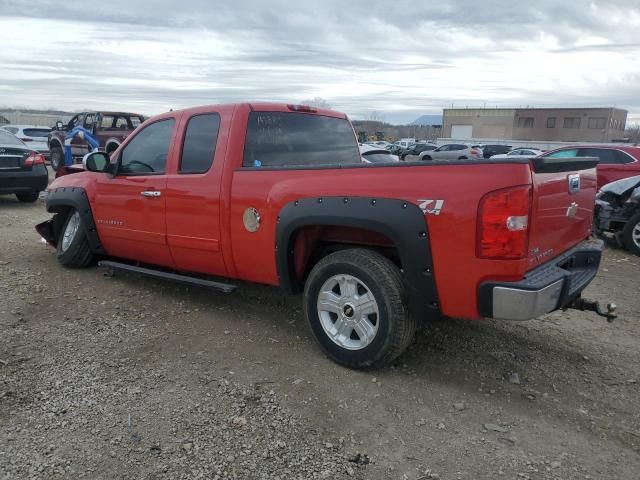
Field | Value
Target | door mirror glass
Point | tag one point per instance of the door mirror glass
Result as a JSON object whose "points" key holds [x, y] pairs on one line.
{"points": [[96, 162]]}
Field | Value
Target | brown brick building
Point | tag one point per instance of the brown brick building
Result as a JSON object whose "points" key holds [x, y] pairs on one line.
{"points": [[535, 124]]}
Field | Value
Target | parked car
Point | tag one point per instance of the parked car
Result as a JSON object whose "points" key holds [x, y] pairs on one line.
{"points": [[395, 149], [277, 194], [452, 151], [416, 149], [378, 143], [34, 137], [489, 151], [520, 152], [109, 129], [22, 170], [617, 213], [373, 154], [616, 161]]}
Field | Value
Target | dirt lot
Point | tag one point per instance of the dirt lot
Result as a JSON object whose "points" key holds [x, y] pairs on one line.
{"points": [[128, 377]]}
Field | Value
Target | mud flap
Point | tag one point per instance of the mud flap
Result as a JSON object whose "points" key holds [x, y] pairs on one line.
{"points": [[47, 232]]}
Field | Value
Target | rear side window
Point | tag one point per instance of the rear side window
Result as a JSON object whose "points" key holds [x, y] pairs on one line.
{"points": [[563, 154], [36, 132], [147, 152], [299, 140], [12, 130], [607, 156], [199, 145]]}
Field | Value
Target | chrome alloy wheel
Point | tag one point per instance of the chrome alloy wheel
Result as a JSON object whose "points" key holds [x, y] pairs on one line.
{"points": [[348, 312], [635, 234], [70, 231]]}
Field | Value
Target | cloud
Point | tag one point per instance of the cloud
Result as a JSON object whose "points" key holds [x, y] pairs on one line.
{"points": [[401, 59]]}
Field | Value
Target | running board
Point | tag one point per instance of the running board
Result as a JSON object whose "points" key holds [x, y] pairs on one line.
{"points": [[175, 277]]}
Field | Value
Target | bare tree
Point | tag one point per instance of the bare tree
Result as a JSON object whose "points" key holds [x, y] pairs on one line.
{"points": [[317, 102], [632, 132]]}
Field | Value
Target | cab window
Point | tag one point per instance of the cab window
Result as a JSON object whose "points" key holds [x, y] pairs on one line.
{"points": [[147, 152]]}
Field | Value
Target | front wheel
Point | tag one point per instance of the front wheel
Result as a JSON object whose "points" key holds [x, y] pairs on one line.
{"points": [[356, 307], [631, 234], [73, 249], [28, 197], [57, 158]]}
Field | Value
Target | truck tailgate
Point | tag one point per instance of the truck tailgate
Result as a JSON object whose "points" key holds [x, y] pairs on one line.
{"points": [[564, 192]]}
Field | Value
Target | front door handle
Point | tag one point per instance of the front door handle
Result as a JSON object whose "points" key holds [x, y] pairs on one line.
{"points": [[151, 193]]}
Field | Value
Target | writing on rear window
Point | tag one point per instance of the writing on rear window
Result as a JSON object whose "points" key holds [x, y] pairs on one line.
{"points": [[276, 139]]}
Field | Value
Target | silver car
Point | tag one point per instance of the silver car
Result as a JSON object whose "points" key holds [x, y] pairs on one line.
{"points": [[34, 137], [453, 151]]}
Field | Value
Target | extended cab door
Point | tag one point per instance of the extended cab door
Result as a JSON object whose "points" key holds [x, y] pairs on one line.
{"points": [[130, 207], [193, 192]]}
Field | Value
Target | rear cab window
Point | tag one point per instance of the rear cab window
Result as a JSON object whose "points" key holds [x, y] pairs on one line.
{"points": [[295, 140], [199, 146]]}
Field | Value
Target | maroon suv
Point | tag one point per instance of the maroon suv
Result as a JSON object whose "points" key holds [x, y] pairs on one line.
{"points": [[109, 128], [616, 161]]}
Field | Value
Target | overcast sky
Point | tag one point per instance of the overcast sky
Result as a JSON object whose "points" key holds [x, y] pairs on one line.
{"points": [[398, 58]]}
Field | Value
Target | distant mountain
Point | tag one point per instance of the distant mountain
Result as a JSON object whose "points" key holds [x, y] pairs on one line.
{"points": [[428, 120]]}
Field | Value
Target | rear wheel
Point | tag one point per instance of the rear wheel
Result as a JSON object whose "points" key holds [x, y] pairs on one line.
{"points": [[73, 247], [28, 197], [462, 158], [631, 234], [355, 303], [57, 158], [427, 157]]}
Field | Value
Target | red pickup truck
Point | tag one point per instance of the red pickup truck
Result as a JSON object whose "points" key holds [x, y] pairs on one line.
{"points": [[277, 194]]}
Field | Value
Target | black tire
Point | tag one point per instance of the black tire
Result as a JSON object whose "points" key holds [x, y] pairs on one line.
{"points": [[77, 253], [396, 327], [462, 158], [427, 157], [57, 158], [28, 197], [630, 229]]}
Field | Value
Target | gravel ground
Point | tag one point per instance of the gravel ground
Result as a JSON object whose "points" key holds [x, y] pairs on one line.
{"points": [[129, 377]]}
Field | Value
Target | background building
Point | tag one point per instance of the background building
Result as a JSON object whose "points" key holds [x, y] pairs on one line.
{"points": [[535, 124]]}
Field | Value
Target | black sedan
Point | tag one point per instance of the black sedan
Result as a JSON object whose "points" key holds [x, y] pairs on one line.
{"points": [[22, 171], [416, 149]]}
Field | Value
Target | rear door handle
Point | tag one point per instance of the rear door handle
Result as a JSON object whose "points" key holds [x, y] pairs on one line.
{"points": [[151, 193]]}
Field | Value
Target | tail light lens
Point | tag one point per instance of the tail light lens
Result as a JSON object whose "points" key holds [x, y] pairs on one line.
{"points": [[503, 223], [34, 159], [475, 151]]}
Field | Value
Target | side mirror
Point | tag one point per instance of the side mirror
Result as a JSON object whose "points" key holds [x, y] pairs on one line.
{"points": [[96, 162], [59, 125]]}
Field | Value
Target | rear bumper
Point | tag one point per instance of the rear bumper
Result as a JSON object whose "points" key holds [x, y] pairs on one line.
{"points": [[547, 288], [34, 180]]}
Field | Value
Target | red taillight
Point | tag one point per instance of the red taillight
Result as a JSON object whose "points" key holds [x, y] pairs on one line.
{"points": [[475, 151], [503, 223], [34, 159], [26, 139], [302, 108]]}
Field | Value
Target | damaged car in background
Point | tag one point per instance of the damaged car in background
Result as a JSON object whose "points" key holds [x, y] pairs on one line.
{"points": [[617, 213]]}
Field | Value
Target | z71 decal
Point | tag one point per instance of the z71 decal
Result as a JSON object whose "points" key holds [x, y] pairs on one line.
{"points": [[431, 207]]}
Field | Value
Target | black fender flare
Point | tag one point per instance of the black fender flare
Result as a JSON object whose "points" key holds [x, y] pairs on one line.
{"points": [[62, 198], [402, 222]]}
